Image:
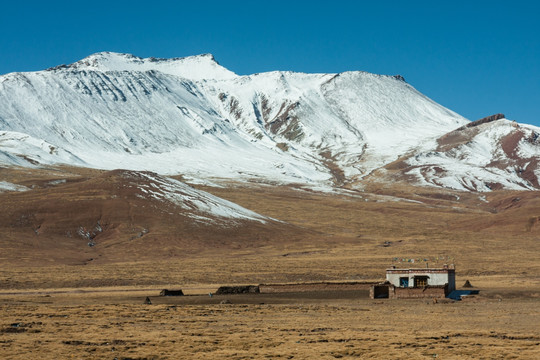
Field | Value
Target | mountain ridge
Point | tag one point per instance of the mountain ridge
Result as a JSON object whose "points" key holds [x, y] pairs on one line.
{"points": [[113, 61], [192, 116]]}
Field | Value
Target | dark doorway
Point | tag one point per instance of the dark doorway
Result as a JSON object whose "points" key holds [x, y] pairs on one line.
{"points": [[380, 291]]}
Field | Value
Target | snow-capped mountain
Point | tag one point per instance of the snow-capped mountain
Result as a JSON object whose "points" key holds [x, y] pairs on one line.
{"points": [[192, 116], [489, 154]]}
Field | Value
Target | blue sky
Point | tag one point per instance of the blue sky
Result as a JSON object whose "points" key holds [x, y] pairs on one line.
{"points": [[476, 57]]}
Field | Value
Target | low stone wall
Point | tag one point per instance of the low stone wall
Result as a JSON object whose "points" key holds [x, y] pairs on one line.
{"points": [[436, 292], [167, 292], [243, 289], [322, 286], [389, 291]]}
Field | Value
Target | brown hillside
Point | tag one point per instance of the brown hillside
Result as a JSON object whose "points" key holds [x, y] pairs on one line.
{"points": [[109, 218], [348, 235]]}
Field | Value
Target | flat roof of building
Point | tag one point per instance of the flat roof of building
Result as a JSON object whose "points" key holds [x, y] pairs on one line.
{"points": [[420, 270]]}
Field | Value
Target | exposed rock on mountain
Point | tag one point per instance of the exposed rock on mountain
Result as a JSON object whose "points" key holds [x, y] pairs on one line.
{"points": [[192, 116]]}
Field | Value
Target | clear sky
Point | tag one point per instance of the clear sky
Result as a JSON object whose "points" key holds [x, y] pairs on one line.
{"points": [[474, 57]]}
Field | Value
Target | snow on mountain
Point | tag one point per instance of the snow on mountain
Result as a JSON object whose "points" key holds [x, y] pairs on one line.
{"points": [[25, 150], [200, 205], [7, 186], [199, 67], [483, 156], [192, 116]]}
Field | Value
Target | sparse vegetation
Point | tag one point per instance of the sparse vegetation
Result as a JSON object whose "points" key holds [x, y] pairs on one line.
{"points": [[63, 298], [118, 325]]}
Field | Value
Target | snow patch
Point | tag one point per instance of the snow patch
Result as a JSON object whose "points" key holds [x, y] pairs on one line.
{"points": [[201, 205], [7, 186]]}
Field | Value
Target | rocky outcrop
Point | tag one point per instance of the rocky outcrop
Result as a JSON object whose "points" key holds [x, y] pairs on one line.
{"points": [[481, 121]]}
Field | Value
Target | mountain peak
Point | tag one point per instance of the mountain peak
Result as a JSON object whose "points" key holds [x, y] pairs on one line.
{"points": [[192, 116], [198, 67], [130, 58]]}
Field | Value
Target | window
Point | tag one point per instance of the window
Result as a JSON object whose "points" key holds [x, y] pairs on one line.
{"points": [[420, 281], [403, 282]]}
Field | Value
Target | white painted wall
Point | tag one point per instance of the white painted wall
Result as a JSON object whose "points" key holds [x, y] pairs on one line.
{"points": [[434, 278]]}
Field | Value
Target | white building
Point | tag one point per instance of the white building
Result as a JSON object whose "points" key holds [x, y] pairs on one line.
{"points": [[418, 278]]}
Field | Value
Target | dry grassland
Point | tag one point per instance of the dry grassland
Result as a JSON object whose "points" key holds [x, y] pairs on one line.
{"points": [[93, 308], [109, 325]]}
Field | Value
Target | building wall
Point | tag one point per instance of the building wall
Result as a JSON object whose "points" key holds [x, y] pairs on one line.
{"points": [[436, 277], [437, 292], [393, 278], [392, 292]]}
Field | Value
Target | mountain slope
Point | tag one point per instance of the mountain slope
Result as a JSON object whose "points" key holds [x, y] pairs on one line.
{"points": [[123, 212], [489, 154], [193, 116]]}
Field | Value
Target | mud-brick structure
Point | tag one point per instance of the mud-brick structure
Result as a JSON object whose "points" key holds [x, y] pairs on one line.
{"points": [[416, 283]]}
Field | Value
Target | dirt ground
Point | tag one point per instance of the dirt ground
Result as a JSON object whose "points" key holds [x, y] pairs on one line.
{"points": [[115, 324]]}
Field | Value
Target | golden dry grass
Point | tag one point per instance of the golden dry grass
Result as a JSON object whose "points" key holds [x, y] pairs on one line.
{"points": [[109, 325], [492, 239]]}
